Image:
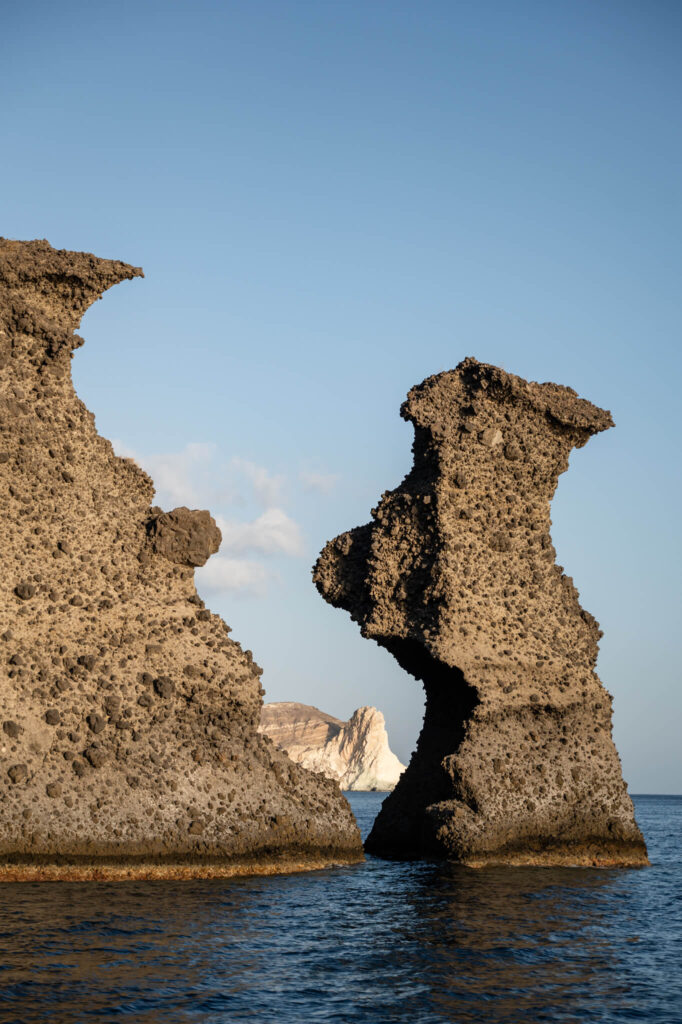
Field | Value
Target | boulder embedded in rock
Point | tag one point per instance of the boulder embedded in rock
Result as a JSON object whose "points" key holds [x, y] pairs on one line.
{"points": [[185, 536]]}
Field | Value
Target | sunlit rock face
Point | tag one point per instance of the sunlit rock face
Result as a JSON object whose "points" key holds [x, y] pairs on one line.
{"points": [[356, 753], [456, 576], [128, 717]]}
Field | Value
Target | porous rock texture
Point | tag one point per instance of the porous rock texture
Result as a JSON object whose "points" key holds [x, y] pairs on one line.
{"points": [[128, 717], [456, 577], [355, 753]]}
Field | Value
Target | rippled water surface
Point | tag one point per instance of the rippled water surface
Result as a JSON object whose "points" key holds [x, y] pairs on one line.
{"points": [[379, 942]]}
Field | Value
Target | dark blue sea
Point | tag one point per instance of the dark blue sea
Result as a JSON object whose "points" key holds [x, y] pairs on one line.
{"points": [[379, 942]]}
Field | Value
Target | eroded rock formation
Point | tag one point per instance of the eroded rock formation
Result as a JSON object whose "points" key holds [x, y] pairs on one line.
{"points": [[128, 716], [355, 753], [455, 575]]}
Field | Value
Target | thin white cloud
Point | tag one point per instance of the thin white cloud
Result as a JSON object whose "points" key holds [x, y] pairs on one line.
{"points": [[122, 450], [322, 483], [267, 487], [233, 574], [180, 478], [272, 532], [199, 477]]}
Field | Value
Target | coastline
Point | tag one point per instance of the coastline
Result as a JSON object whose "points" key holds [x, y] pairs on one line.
{"points": [[174, 870]]}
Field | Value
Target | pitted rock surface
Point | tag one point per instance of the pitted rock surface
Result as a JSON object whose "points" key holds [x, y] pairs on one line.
{"points": [[456, 576], [129, 717]]}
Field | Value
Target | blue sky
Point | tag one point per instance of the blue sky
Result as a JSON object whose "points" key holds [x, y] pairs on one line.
{"points": [[332, 201]]}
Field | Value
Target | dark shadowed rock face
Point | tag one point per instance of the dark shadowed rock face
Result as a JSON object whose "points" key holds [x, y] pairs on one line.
{"points": [[184, 536], [455, 575], [128, 716]]}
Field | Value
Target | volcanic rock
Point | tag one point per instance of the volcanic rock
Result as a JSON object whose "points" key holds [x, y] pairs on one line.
{"points": [[129, 742], [184, 536], [456, 577], [355, 753]]}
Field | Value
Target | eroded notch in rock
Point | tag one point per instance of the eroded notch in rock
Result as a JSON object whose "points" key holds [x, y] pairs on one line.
{"points": [[455, 575]]}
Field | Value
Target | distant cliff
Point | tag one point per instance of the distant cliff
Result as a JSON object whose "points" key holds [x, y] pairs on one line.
{"points": [[355, 753]]}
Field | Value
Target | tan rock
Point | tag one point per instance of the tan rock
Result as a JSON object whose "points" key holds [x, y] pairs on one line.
{"points": [[129, 743], [455, 575], [355, 753]]}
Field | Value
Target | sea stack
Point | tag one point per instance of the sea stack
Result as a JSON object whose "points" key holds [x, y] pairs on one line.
{"points": [[456, 577], [128, 717]]}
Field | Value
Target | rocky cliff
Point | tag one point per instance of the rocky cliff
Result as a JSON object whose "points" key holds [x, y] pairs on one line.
{"points": [[355, 753], [129, 717], [456, 577]]}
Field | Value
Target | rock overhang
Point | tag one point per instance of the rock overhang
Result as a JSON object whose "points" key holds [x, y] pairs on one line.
{"points": [[458, 564]]}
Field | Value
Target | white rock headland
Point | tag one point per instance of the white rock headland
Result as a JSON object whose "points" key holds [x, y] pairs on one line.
{"points": [[354, 753]]}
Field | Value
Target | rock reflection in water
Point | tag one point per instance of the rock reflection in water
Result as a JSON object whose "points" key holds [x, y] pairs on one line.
{"points": [[525, 944], [145, 950], [385, 942]]}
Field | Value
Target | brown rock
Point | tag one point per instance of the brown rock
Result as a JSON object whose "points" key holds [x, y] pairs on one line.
{"points": [[515, 762], [164, 686], [103, 633], [112, 704], [184, 536], [95, 756]]}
